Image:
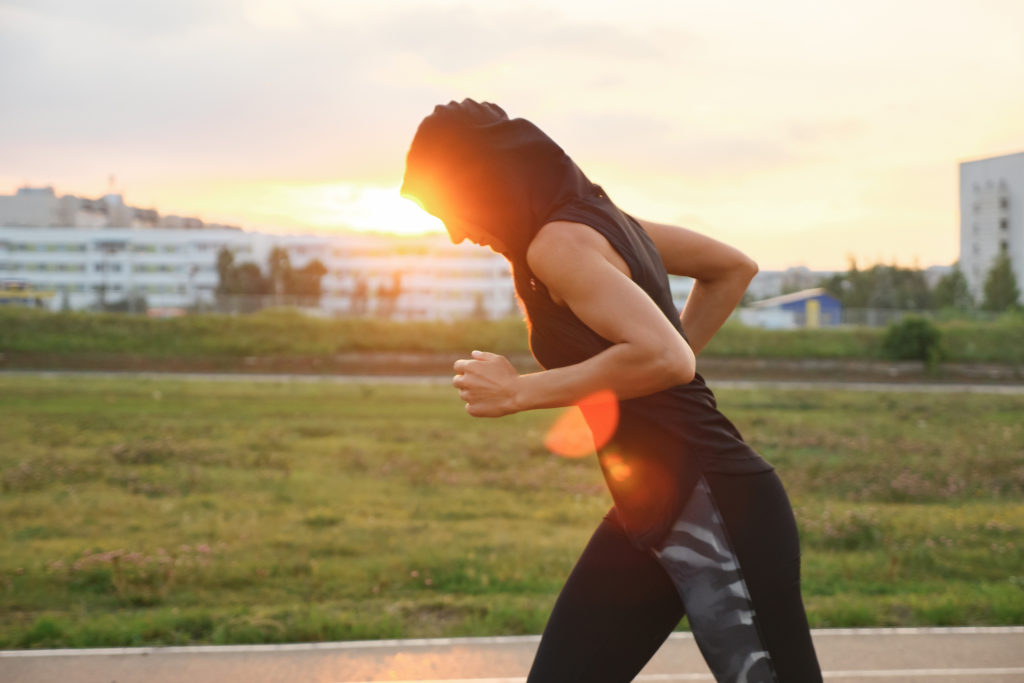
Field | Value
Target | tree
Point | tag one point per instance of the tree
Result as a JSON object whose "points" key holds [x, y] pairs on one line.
{"points": [[360, 296], [880, 286], [281, 279], [225, 272], [951, 291], [1001, 291], [242, 278], [249, 280], [305, 281], [279, 271], [387, 297]]}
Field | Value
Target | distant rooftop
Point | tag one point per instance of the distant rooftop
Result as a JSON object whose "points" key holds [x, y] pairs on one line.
{"points": [[802, 295], [40, 207]]}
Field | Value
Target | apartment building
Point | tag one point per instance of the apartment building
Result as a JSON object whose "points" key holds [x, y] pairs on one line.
{"points": [[991, 217]]}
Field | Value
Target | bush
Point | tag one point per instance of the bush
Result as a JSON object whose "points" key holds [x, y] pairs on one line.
{"points": [[912, 338]]}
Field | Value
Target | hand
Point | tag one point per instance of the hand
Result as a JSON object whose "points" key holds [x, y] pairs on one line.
{"points": [[487, 383]]}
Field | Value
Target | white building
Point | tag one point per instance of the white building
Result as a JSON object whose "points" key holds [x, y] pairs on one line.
{"points": [[40, 207], [427, 277], [991, 217]]}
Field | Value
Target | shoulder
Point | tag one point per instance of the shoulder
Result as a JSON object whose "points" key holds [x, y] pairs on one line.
{"points": [[568, 256], [560, 254], [564, 235], [562, 243]]}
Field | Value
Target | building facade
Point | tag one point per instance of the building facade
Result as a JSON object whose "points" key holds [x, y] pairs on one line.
{"points": [[411, 278], [991, 217]]}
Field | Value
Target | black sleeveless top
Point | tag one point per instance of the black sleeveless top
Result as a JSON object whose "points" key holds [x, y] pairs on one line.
{"points": [[665, 440]]}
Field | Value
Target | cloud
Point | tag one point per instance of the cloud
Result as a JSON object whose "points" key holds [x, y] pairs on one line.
{"points": [[207, 90], [452, 39], [659, 143], [150, 19], [253, 89]]}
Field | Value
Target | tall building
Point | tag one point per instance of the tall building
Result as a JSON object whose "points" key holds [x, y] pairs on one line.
{"points": [[991, 217]]}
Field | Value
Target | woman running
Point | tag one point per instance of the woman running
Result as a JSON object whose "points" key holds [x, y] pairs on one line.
{"points": [[701, 525]]}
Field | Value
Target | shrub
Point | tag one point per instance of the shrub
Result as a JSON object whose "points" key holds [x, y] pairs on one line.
{"points": [[912, 338]]}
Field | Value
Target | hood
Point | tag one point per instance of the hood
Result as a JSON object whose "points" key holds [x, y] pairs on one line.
{"points": [[469, 160]]}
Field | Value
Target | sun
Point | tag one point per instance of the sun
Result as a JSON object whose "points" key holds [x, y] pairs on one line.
{"points": [[360, 207]]}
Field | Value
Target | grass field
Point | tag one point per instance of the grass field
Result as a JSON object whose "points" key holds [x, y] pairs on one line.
{"points": [[169, 511], [80, 338]]}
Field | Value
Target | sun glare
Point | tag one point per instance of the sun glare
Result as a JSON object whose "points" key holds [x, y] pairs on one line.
{"points": [[585, 427], [361, 207]]}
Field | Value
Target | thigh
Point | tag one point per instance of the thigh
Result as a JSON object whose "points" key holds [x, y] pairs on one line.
{"points": [[761, 529], [616, 608]]}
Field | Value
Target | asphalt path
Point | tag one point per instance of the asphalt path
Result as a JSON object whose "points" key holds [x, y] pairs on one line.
{"points": [[805, 385], [901, 655]]}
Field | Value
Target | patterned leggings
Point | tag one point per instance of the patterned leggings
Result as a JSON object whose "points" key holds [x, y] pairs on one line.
{"points": [[731, 564]]}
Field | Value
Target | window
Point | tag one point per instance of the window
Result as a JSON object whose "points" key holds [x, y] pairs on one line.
{"points": [[1004, 203], [1004, 224], [1003, 246]]}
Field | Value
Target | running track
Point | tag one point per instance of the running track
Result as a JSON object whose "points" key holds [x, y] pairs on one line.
{"points": [[902, 655]]}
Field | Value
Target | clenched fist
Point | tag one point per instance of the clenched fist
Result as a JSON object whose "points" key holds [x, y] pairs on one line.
{"points": [[487, 383]]}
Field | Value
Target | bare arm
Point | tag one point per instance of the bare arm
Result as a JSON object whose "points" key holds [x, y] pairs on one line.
{"points": [[647, 354], [721, 275]]}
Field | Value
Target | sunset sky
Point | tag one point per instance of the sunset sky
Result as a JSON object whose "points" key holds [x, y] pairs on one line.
{"points": [[803, 132]]}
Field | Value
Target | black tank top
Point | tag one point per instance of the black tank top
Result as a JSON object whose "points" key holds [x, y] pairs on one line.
{"points": [[663, 441]]}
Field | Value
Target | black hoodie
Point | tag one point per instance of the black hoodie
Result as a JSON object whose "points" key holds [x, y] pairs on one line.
{"points": [[469, 161]]}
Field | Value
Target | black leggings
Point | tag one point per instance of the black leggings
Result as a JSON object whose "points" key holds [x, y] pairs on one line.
{"points": [[731, 563]]}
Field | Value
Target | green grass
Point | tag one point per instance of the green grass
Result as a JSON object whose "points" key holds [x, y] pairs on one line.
{"points": [[288, 333], [169, 511], [270, 332]]}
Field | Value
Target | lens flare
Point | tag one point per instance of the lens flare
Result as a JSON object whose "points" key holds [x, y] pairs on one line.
{"points": [[586, 427], [617, 469]]}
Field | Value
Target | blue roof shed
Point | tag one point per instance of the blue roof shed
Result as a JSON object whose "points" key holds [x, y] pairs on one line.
{"points": [[807, 308]]}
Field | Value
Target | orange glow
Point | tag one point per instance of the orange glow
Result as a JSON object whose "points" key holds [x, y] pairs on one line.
{"points": [[278, 206], [586, 427], [379, 209], [617, 469]]}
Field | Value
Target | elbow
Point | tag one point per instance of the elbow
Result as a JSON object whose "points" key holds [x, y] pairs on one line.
{"points": [[685, 368], [748, 268], [675, 366]]}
